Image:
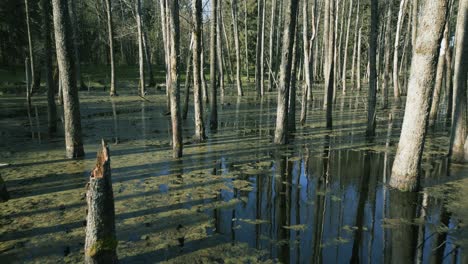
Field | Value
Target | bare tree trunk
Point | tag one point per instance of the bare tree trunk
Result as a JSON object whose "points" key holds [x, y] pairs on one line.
{"points": [[174, 89], [356, 30], [219, 51], [51, 107], [246, 40], [237, 46], [110, 30], [414, 22], [329, 43], [202, 69], [101, 241], [281, 131], [371, 95], [449, 86], [358, 64], [458, 138], [188, 79], [272, 56], [439, 78], [405, 171], [307, 86], [76, 44], [197, 82], [147, 49], [140, 47], [292, 88], [259, 50], [213, 72], [66, 63], [386, 79], [30, 46], [345, 60], [401, 13]]}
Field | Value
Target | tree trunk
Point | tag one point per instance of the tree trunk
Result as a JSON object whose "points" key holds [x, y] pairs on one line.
{"points": [[66, 63], [51, 107], [292, 88], [329, 42], [213, 72], [307, 86], [345, 60], [30, 46], [259, 50], [405, 171], [458, 138], [386, 78], [237, 46], [449, 86], [439, 78], [246, 40], [358, 63], [147, 49], [219, 51], [401, 13], [76, 44], [197, 71], [110, 31], [272, 56], [371, 95], [174, 89], [101, 241], [356, 29], [141, 55], [188, 81], [281, 131]]}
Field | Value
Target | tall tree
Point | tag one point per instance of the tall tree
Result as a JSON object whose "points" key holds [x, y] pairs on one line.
{"points": [[76, 43], [259, 51], [110, 30], [272, 56], [141, 55], [213, 72], [386, 70], [281, 131], [371, 95], [51, 107], [196, 56], [345, 60], [328, 42], [458, 138], [30, 44], [405, 170], [401, 13], [237, 46], [66, 64]]}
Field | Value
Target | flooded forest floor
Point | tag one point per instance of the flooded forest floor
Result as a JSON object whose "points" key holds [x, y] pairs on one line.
{"points": [[236, 198]]}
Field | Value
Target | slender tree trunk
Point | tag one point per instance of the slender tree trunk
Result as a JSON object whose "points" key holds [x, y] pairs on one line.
{"points": [[449, 86], [371, 95], [197, 71], [406, 167], [188, 80], [401, 13], [307, 86], [140, 47], [358, 64], [66, 64], [353, 63], [386, 79], [292, 88], [101, 241], [281, 131], [345, 60], [329, 42], [110, 31], [76, 44], [202, 70], [458, 138], [213, 71], [219, 51], [246, 40], [174, 89], [439, 78], [259, 51], [414, 22], [272, 62], [30, 46], [51, 107], [237, 46], [147, 49]]}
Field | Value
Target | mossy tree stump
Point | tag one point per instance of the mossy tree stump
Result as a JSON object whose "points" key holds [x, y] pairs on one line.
{"points": [[101, 242]]}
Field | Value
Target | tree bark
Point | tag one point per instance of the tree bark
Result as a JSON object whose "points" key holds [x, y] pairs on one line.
{"points": [[356, 30], [246, 40], [197, 71], [406, 167], [329, 43], [213, 72], [458, 138], [110, 31], [141, 55], [101, 241], [259, 51], [66, 63], [358, 63], [292, 88], [237, 46], [281, 131], [401, 13], [188, 81], [219, 51], [386, 78], [345, 59], [30, 46], [272, 56], [174, 89], [51, 107], [76, 44], [449, 86], [371, 95]]}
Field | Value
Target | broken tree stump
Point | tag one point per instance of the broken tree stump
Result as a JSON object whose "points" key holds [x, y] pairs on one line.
{"points": [[4, 196], [101, 242]]}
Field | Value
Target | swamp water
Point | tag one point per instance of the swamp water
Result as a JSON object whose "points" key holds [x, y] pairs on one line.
{"points": [[236, 198]]}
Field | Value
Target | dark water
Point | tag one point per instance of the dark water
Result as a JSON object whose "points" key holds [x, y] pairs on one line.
{"points": [[236, 198]]}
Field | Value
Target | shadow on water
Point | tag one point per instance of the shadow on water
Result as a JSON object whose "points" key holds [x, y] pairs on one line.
{"points": [[237, 197]]}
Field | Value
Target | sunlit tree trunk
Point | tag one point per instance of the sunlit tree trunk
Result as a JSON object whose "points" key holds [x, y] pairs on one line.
{"points": [[219, 51], [356, 30], [140, 47], [237, 47], [307, 86], [272, 62], [449, 85], [371, 95], [386, 70], [246, 14], [358, 63], [30, 47], [401, 13], [66, 64], [281, 131], [458, 137], [196, 57], [51, 107], [110, 30], [174, 89], [213, 72], [345, 59], [329, 43], [292, 87], [76, 44], [259, 50], [406, 167]]}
